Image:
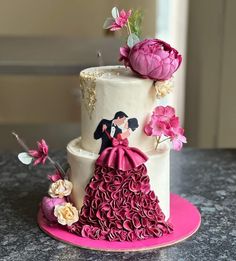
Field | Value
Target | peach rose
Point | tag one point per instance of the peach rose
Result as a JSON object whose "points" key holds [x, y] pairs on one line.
{"points": [[66, 214], [60, 188]]}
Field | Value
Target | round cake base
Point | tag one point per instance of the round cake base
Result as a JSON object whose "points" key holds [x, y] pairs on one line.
{"points": [[185, 218]]}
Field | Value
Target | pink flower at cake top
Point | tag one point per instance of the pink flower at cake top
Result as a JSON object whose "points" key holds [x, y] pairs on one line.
{"points": [[149, 58], [120, 21]]}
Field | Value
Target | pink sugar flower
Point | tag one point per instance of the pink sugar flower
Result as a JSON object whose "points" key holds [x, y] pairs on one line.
{"points": [[165, 123], [121, 20], [148, 129], [158, 126], [55, 176], [40, 155], [177, 137], [163, 118], [151, 58], [165, 113]]}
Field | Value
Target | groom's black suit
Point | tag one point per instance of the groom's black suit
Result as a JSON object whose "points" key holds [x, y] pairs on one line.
{"points": [[106, 142]]}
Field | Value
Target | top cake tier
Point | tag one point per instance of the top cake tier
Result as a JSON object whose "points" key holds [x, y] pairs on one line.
{"points": [[107, 90]]}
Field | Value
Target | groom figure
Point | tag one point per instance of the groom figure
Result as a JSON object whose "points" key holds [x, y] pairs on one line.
{"points": [[112, 127]]}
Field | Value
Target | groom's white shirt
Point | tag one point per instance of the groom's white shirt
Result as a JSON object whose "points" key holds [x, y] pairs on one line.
{"points": [[113, 129]]}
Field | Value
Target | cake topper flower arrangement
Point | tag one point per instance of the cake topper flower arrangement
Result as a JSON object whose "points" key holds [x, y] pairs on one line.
{"points": [[149, 58], [57, 207]]}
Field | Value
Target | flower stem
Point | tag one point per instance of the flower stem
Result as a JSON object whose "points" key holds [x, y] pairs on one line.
{"points": [[57, 166], [164, 140], [99, 56], [128, 27], [158, 141], [20, 141]]}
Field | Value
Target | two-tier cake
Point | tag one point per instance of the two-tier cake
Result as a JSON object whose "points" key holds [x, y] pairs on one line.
{"points": [[116, 188]]}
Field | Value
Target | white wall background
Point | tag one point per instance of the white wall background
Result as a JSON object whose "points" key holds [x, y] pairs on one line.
{"points": [[172, 28], [211, 82]]}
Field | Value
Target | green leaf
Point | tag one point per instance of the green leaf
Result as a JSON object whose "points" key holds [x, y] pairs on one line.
{"points": [[108, 22], [132, 40], [115, 12], [135, 22]]}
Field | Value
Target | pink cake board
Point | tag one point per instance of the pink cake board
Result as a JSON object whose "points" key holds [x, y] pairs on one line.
{"points": [[185, 218]]}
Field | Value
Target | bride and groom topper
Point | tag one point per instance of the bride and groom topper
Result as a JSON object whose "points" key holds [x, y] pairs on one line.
{"points": [[120, 127]]}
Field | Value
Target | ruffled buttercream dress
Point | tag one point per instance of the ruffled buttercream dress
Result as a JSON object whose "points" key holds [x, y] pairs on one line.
{"points": [[119, 204]]}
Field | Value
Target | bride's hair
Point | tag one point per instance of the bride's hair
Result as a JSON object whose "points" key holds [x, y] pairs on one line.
{"points": [[133, 124]]}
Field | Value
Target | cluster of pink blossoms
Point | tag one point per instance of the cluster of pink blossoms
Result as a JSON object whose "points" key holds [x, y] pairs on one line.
{"points": [[165, 123]]}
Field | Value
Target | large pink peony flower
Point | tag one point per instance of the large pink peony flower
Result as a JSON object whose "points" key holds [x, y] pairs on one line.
{"points": [[151, 58]]}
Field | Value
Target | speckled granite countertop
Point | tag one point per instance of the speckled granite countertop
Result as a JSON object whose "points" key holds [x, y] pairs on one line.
{"points": [[205, 177]]}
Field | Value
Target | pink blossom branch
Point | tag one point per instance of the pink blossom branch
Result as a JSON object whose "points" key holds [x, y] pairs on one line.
{"points": [[20, 141], [26, 148]]}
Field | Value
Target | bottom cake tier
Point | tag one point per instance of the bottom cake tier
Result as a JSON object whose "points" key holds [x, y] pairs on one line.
{"points": [[82, 164]]}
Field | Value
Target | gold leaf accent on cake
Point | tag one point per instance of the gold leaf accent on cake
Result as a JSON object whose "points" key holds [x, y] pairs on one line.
{"points": [[88, 86], [163, 88], [88, 89]]}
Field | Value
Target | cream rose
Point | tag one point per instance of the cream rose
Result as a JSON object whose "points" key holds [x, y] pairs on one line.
{"points": [[60, 188], [66, 214], [163, 88]]}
